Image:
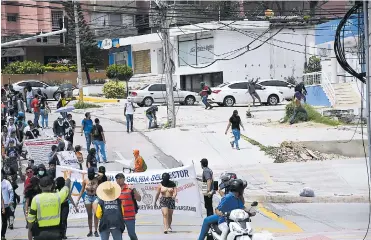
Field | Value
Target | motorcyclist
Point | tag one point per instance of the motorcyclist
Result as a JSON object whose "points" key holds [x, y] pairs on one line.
{"points": [[224, 185]]}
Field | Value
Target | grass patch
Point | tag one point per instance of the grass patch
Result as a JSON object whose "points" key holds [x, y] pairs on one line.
{"points": [[313, 115], [269, 150], [84, 105]]}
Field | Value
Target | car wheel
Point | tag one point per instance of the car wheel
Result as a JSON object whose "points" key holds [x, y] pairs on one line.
{"points": [[56, 96], [220, 104], [148, 101], [189, 100], [273, 99], [229, 101]]}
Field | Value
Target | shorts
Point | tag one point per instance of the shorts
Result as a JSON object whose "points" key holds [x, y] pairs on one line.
{"points": [[167, 202], [89, 199]]}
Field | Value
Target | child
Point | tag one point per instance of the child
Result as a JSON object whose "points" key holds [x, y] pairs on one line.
{"points": [[80, 157]]}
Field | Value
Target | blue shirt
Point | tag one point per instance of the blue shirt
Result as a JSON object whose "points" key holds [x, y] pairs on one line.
{"points": [[229, 203], [88, 125]]}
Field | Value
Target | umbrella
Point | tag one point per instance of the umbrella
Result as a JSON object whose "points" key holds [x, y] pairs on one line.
{"points": [[65, 109]]}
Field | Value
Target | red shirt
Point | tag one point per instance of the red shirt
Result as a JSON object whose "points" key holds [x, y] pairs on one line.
{"points": [[204, 91], [35, 105], [27, 182]]}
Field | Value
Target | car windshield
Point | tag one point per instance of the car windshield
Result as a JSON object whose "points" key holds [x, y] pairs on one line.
{"points": [[223, 84], [144, 87], [47, 84]]}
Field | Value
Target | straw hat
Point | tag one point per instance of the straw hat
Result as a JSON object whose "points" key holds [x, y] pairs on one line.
{"points": [[108, 191]]}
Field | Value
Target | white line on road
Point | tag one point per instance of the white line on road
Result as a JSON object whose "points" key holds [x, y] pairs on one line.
{"points": [[122, 160]]}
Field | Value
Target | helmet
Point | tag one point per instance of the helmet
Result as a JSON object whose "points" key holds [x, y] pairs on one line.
{"points": [[20, 114], [244, 184], [236, 185], [225, 177]]}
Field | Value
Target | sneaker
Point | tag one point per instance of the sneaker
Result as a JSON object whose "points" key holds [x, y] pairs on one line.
{"points": [[11, 227], [90, 234], [237, 148], [64, 237], [165, 232], [170, 230], [96, 234], [211, 107], [3, 238], [232, 144]]}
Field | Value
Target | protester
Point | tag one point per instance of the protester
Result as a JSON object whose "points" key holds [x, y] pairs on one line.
{"points": [[79, 156], [104, 178], [86, 127], [11, 175], [151, 115], [300, 87], [31, 132], [91, 160], [27, 183], [29, 97], [139, 163], [65, 208], [52, 169], [35, 104], [44, 112], [41, 171], [99, 140], [11, 126], [89, 187], [52, 156], [21, 125], [298, 107], [29, 193], [168, 192], [62, 102], [70, 132], [128, 197], [60, 127], [252, 91], [110, 211], [7, 198], [129, 114], [205, 92], [235, 122], [4, 97], [20, 103], [208, 180]]}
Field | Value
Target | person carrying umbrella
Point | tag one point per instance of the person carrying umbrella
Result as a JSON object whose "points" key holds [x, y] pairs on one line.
{"points": [[62, 103]]}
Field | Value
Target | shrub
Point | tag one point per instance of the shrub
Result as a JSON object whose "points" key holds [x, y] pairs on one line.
{"points": [[61, 69], [84, 105], [25, 67], [73, 68], [313, 115], [48, 68], [119, 72], [114, 89]]}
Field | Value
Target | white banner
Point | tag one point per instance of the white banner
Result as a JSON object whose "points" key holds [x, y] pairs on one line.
{"points": [[39, 149], [68, 159], [188, 201]]}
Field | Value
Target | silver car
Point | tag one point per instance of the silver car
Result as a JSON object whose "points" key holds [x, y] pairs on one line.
{"points": [[51, 91]]}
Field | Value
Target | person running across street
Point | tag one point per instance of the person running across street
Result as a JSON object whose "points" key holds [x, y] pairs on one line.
{"points": [[35, 105], [129, 114], [298, 107], [252, 91], [7, 198], [205, 92], [151, 115], [86, 127], [110, 210], [99, 140], [208, 181], [128, 198], [235, 122]]}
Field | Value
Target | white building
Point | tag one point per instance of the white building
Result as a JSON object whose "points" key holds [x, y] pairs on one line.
{"points": [[222, 52]]}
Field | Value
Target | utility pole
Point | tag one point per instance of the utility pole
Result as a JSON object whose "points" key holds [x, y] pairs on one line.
{"points": [[367, 70], [78, 52], [167, 53]]}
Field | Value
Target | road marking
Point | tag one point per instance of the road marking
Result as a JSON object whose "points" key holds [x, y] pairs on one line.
{"points": [[266, 176], [291, 226], [122, 160]]}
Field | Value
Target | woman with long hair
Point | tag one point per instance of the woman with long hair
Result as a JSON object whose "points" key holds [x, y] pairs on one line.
{"points": [[89, 187], [167, 189], [44, 112], [235, 122]]}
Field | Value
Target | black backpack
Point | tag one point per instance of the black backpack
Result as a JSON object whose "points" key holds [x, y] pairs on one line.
{"points": [[209, 90]]}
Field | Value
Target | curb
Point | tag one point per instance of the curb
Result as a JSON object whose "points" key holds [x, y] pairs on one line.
{"points": [[99, 100], [298, 199]]}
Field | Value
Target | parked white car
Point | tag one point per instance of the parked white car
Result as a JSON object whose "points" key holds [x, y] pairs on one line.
{"points": [[156, 93], [51, 91], [287, 88], [229, 94]]}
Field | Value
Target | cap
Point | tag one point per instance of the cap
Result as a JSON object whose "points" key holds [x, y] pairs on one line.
{"points": [[120, 175], [46, 181], [204, 161]]}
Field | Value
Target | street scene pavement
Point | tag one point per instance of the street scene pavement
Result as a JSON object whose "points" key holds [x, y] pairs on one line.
{"points": [[339, 210]]}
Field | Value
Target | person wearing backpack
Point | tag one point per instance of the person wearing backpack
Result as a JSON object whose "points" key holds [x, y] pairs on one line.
{"points": [[139, 163], [99, 140], [205, 92]]}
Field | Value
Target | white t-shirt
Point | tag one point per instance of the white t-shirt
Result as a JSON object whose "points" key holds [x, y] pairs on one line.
{"points": [[29, 94], [129, 108], [7, 192]]}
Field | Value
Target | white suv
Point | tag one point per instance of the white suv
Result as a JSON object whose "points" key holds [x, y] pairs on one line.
{"points": [[156, 93], [229, 94]]}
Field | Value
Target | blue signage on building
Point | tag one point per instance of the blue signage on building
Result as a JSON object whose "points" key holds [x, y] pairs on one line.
{"points": [[325, 32]]}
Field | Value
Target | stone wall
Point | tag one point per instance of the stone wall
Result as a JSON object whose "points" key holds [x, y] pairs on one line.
{"points": [[51, 77]]}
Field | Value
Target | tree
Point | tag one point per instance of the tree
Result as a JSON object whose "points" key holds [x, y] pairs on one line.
{"points": [[120, 72], [314, 65], [226, 10], [90, 53]]}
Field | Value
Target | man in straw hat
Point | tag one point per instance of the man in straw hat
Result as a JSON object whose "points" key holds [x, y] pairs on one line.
{"points": [[110, 211]]}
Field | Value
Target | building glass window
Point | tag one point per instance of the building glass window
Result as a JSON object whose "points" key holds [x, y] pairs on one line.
{"points": [[56, 15], [195, 49], [115, 20], [99, 19], [12, 17], [121, 58]]}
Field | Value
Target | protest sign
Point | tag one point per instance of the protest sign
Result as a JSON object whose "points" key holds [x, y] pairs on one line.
{"points": [[68, 159], [188, 200], [39, 149]]}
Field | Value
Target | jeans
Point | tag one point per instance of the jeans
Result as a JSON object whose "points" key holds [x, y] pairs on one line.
{"points": [[64, 217], [116, 234], [44, 117], [28, 104], [204, 100], [88, 140], [129, 121], [150, 118], [297, 110], [209, 205], [253, 96], [237, 136], [100, 145], [4, 221], [130, 226], [206, 225], [36, 119]]}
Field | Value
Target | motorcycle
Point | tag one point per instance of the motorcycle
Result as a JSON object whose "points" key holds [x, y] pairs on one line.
{"points": [[238, 222]]}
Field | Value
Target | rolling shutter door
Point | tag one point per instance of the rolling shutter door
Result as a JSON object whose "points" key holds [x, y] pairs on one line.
{"points": [[142, 62]]}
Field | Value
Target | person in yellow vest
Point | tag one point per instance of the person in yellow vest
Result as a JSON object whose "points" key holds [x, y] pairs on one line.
{"points": [[44, 216]]}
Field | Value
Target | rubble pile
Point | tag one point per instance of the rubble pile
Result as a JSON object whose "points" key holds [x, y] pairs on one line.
{"points": [[296, 152]]}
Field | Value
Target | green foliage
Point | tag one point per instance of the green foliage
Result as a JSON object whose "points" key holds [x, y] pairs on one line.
{"points": [[25, 67], [114, 89], [313, 115], [119, 72], [84, 105], [314, 65], [291, 80]]}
